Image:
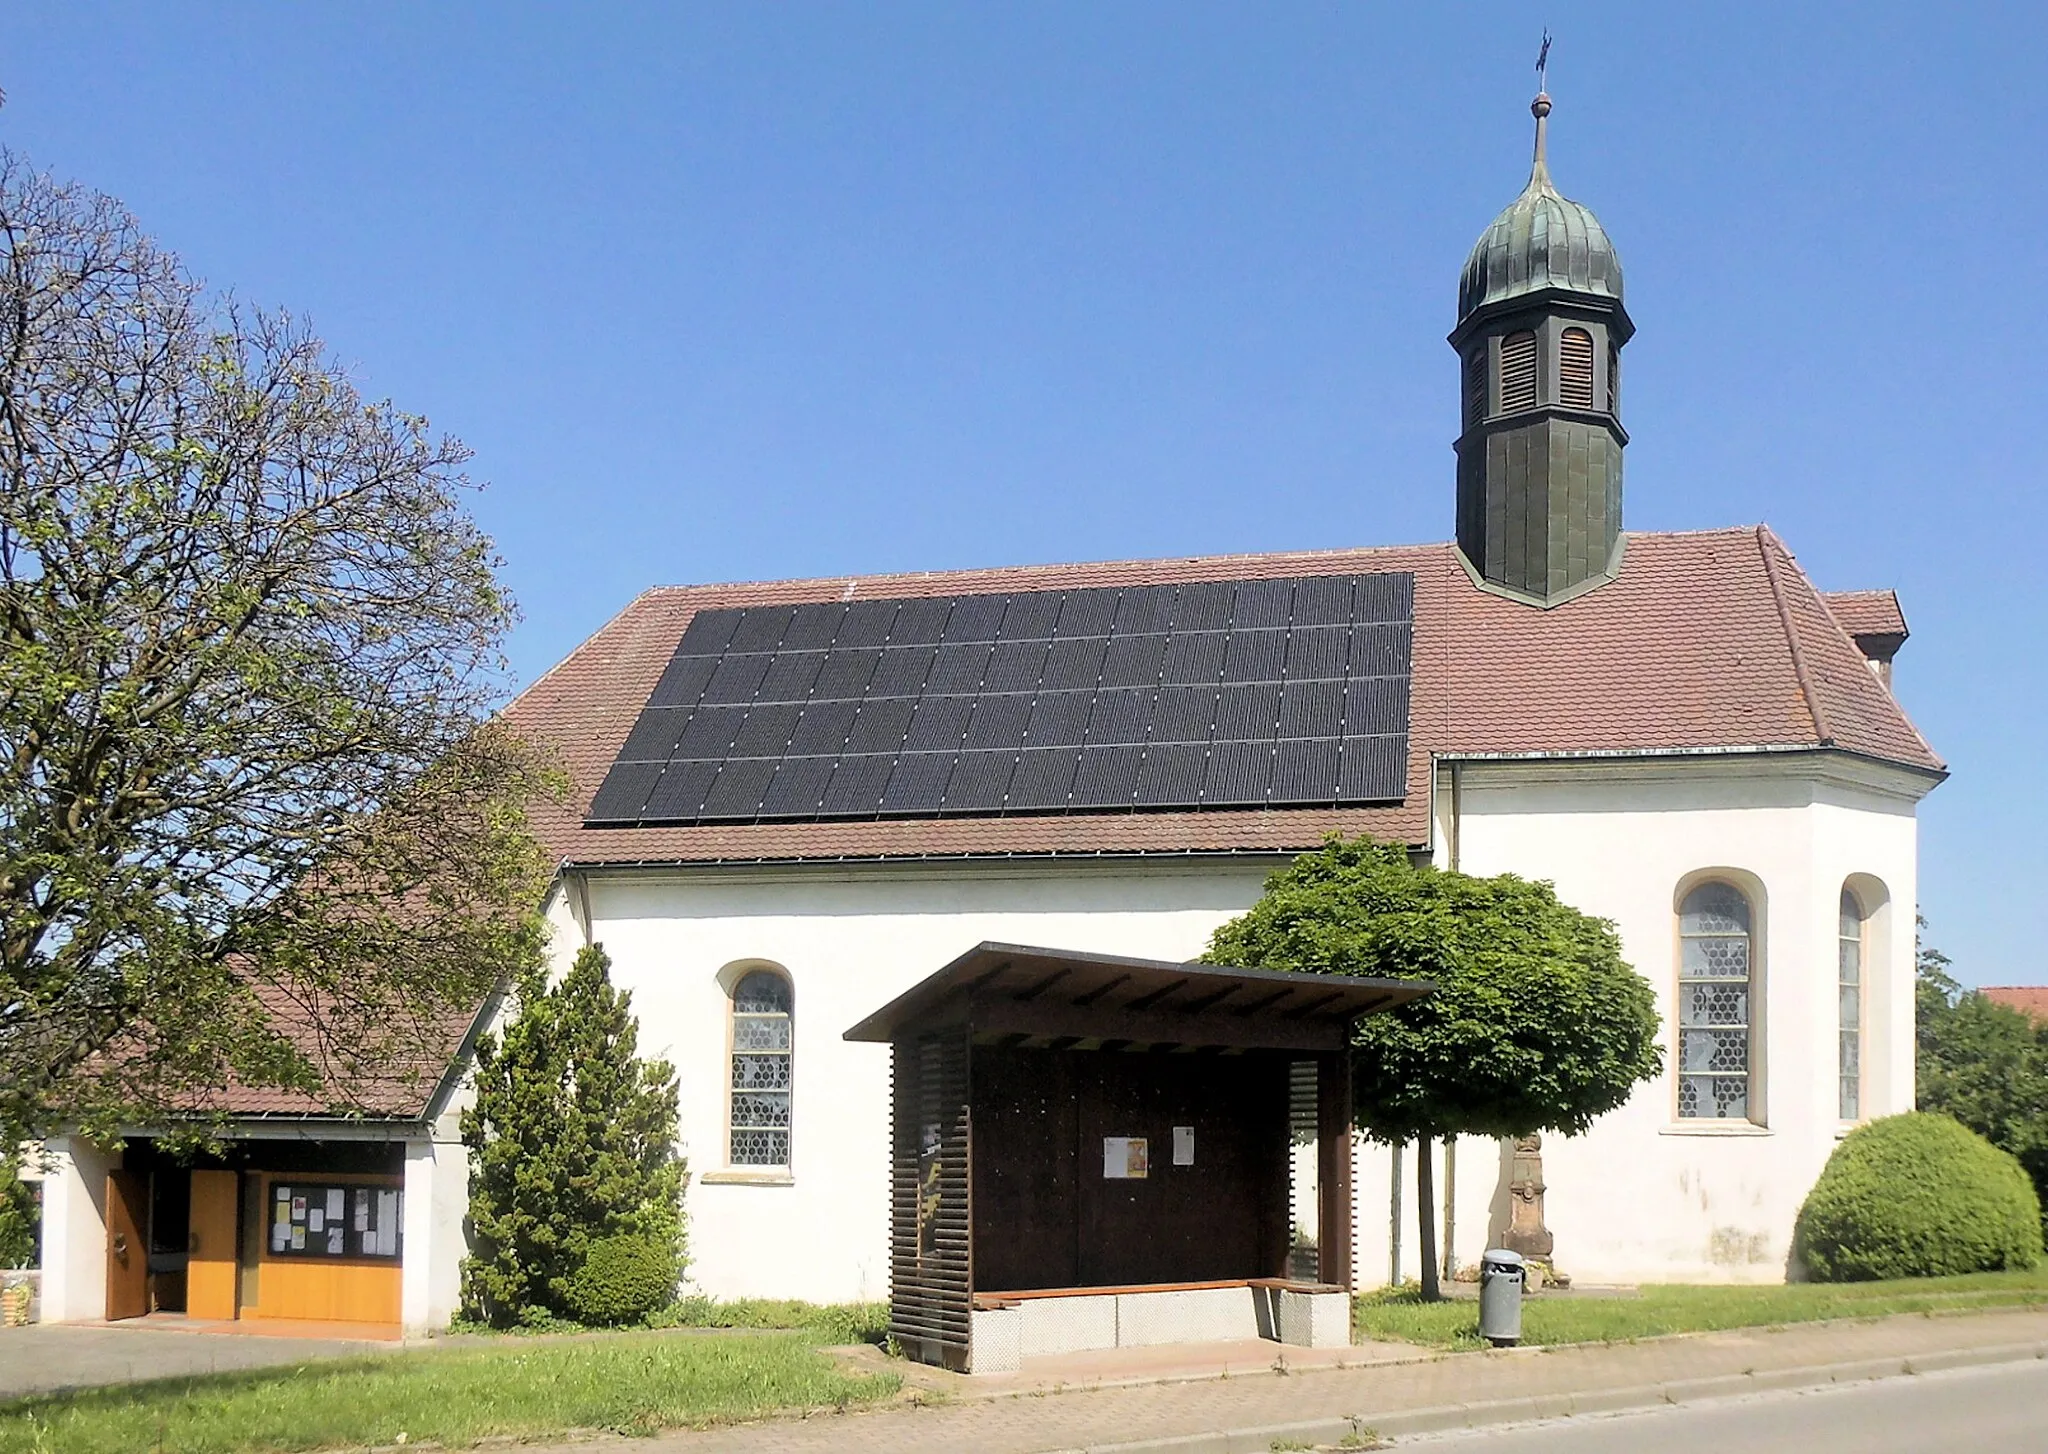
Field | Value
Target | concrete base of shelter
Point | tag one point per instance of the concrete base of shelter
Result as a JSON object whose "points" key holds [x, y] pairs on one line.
{"points": [[1006, 1329]]}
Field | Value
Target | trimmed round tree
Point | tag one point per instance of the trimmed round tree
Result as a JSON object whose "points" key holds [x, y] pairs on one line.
{"points": [[1917, 1195], [1537, 1023]]}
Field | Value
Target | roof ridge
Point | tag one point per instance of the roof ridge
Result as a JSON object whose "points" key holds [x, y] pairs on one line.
{"points": [[1765, 539], [1048, 567]]}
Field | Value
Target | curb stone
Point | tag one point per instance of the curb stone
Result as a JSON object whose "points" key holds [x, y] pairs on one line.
{"points": [[1448, 1418]]}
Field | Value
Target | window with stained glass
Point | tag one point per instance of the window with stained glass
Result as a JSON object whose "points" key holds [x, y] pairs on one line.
{"points": [[762, 1065], [1715, 985], [1849, 990]]}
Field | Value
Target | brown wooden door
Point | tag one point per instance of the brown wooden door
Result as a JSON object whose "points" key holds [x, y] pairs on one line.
{"points": [[127, 1247], [210, 1273]]}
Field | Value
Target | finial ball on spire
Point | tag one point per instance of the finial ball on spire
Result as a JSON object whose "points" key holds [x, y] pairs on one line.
{"points": [[1540, 107]]}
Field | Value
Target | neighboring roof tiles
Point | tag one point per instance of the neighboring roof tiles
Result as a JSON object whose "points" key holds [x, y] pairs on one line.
{"points": [[1707, 640], [1868, 613], [2030, 1000]]}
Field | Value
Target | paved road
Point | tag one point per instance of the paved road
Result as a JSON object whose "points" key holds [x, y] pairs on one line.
{"points": [[1999, 1410]]}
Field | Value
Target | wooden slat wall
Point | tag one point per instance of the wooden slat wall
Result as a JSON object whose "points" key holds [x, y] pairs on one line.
{"points": [[931, 1269], [1575, 369]]}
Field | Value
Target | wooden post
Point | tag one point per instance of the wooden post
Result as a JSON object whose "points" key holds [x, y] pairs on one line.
{"points": [[1333, 1144]]}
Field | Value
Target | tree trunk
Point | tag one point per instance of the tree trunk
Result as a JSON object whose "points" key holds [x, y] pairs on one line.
{"points": [[1425, 1218]]}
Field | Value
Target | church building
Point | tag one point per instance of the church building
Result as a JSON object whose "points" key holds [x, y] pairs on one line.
{"points": [[806, 808]]}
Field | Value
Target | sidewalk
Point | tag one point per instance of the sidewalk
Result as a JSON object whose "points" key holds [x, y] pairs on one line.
{"points": [[1248, 1412]]}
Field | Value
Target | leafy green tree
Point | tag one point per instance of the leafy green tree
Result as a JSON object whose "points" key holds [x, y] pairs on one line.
{"points": [[250, 639], [572, 1141], [1536, 1024], [20, 1217], [1983, 1063]]}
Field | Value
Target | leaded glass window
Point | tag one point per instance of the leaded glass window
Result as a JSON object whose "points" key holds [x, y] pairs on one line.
{"points": [[1849, 991], [1714, 999], [762, 1068]]}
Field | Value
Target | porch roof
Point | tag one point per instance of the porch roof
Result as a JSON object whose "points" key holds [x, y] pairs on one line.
{"points": [[1025, 993]]}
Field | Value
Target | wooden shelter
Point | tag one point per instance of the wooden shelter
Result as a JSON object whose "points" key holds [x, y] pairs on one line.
{"points": [[1068, 1125]]}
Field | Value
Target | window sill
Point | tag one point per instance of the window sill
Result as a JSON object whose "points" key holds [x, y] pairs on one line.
{"points": [[1713, 1128], [748, 1176]]}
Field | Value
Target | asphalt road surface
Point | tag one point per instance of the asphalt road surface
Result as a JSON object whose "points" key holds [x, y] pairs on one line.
{"points": [[2000, 1410]]}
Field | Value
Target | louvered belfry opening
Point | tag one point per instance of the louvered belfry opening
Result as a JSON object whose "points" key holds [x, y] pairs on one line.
{"points": [[1575, 369], [1517, 372], [1475, 388], [1070, 1129]]}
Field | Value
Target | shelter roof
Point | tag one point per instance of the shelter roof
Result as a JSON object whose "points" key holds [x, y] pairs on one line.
{"points": [[1032, 993]]}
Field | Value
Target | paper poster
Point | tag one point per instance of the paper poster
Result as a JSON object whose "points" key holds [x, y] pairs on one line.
{"points": [[298, 1239], [315, 1221], [1125, 1158], [334, 1240], [362, 1211], [298, 1209], [1183, 1145], [280, 1236], [284, 1193], [334, 1201], [387, 1223]]}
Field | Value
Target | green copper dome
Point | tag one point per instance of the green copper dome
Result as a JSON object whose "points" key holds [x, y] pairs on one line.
{"points": [[1543, 240]]}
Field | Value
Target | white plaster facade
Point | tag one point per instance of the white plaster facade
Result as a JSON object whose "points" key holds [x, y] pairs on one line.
{"points": [[1642, 1197]]}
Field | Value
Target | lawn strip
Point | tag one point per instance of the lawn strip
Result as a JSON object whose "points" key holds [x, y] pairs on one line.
{"points": [[1658, 1310], [633, 1383]]}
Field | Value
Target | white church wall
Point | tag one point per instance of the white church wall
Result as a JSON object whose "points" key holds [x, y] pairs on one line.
{"points": [[850, 940]]}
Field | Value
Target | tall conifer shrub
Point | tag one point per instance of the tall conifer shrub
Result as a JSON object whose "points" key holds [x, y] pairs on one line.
{"points": [[572, 1143]]}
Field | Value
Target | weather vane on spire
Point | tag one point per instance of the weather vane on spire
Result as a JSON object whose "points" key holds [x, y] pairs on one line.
{"points": [[1543, 64]]}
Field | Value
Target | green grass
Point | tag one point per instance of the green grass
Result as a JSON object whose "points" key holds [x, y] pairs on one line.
{"points": [[828, 1323], [631, 1383], [1401, 1316]]}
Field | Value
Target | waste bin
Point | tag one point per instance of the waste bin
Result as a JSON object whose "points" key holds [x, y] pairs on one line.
{"points": [[1501, 1277]]}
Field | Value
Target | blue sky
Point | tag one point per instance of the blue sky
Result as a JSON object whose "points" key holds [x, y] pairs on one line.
{"points": [[759, 291]]}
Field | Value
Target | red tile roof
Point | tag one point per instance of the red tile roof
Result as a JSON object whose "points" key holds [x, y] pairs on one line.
{"points": [[2030, 1000], [1868, 613], [1712, 639]]}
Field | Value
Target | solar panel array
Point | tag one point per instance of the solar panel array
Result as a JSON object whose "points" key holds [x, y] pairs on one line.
{"points": [[1213, 694]]}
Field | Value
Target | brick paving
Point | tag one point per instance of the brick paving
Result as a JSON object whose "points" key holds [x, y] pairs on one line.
{"points": [[1085, 1418]]}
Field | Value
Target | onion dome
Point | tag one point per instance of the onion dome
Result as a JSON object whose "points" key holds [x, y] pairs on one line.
{"points": [[1543, 240]]}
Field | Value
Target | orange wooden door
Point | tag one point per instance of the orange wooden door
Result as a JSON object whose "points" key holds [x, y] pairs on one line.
{"points": [[127, 1249], [210, 1274]]}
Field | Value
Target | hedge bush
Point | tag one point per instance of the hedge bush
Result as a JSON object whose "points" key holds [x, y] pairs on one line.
{"points": [[623, 1280], [1917, 1195]]}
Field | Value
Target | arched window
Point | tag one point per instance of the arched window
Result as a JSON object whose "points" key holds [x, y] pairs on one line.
{"points": [[1714, 1001], [761, 1069], [1475, 387], [1849, 988], [1517, 372], [1575, 369]]}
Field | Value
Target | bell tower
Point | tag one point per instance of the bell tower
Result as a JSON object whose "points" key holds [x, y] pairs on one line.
{"points": [[1540, 332]]}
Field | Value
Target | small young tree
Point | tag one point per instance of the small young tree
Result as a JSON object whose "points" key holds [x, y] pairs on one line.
{"points": [[1537, 1024], [572, 1141]]}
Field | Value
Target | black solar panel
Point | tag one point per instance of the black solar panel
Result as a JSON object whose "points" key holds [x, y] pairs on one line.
{"points": [[1208, 694]]}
